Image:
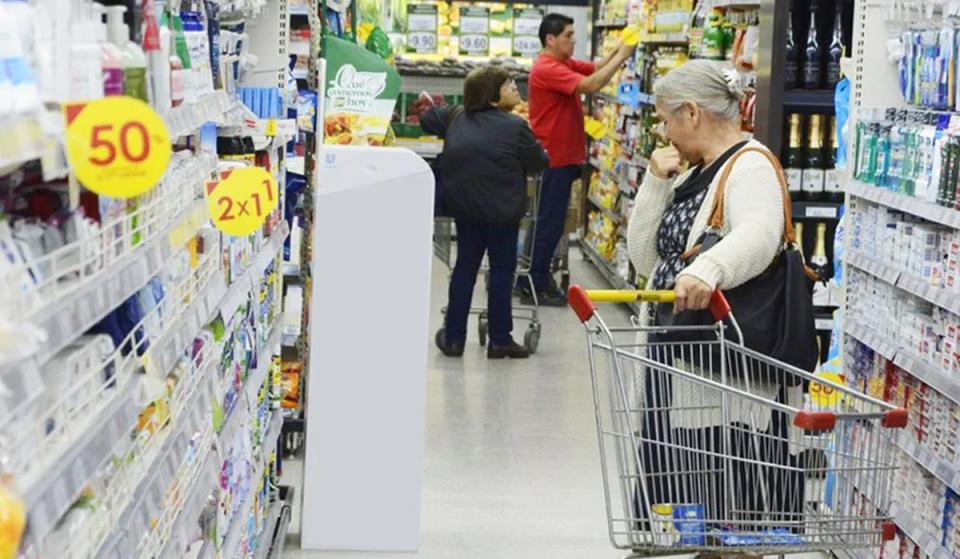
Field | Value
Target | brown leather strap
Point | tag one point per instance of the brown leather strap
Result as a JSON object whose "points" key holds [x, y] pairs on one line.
{"points": [[716, 216]]}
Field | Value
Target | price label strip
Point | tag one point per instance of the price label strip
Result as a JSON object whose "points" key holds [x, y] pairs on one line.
{"points": [[117, 146], [526, 30], [240, 203], [422, 21]]}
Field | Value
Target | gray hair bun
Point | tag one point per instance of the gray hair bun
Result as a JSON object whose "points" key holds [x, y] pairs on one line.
{"points": [[732, 79]]}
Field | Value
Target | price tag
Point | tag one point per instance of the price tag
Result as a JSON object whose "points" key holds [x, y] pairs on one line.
{"points": [[117, 146], [474, 44], [526, 29], [422, 22], [474, 20], [822, 211], [240, 203]]}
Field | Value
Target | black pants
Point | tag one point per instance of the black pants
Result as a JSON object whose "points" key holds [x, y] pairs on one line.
{"points": [[551, 217], [499, 241]]}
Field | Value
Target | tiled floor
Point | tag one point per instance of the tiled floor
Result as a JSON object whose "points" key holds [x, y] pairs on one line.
{"points": [[512, 465]]}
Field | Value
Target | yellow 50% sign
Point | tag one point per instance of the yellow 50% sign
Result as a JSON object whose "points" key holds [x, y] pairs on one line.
{"points": [[117, 146], [242, 200], [824, 395]]}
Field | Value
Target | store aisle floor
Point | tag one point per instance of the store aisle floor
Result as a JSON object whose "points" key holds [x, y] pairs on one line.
{"points": [[511, 468]]}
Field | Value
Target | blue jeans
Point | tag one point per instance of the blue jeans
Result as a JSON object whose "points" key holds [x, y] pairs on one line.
{"points": [[554, 200], [499, 241]]}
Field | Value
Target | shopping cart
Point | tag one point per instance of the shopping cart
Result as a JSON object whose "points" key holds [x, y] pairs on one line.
{"points": [[444, 235], [710, 447]]}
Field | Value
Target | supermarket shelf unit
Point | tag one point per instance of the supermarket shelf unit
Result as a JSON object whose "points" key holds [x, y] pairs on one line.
{"points": [[148, 472], [875, 84]]}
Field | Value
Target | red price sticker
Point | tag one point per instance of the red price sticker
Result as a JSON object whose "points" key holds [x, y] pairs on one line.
{"points": [[117, 146], [240, 203]]}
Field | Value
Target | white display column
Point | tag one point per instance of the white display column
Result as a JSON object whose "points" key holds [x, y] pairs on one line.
{"points": [[369, 321]]}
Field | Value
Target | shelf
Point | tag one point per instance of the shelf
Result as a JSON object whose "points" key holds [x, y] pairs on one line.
{"points": [[946, 384], [606, 211], [191, 510], [803, 209], [235, 533], [188, 117], [610, 24], [607, 271], [243, 285], [929, 543], [665, 38], [931, 212], [49, 497], [911, 284], [737, 3], [811, 98], [944, 470], [265, 541], [234, 419]]}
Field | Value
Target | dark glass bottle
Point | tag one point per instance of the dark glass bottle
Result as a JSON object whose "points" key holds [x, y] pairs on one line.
{"points": [[836, 50], [812, 54], [791, 69]]}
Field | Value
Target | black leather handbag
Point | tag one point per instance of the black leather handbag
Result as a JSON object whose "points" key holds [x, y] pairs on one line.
{"points": [[774, 309]]}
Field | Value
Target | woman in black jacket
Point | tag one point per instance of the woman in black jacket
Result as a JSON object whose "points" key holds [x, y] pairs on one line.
{"points": [[487, 154]]}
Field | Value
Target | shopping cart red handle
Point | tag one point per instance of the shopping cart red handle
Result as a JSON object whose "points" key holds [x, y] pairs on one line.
{"points": [[582, 301]]}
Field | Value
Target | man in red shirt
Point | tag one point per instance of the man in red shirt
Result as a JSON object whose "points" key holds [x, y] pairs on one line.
{"points": [[557, 82]]}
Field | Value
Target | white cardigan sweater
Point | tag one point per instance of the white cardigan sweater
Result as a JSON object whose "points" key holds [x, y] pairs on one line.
{"points": [[752, 225], [752, 234]]}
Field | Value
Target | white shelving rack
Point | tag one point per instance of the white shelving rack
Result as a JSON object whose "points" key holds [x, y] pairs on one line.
{"points": [[874, 84], [96, 433]]}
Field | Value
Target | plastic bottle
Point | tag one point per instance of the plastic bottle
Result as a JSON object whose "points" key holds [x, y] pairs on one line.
{"points": [[181, 51], [110, 55], [86, 74], [198, 46], [131, 55]]}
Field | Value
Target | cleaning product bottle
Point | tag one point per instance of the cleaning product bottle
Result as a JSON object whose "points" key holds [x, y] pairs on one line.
{"points": [[182, 52], [131, 55], [159, 64], [110, 55], [86, 74]]}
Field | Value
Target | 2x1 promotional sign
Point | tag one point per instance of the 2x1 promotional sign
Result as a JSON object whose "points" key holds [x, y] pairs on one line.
{"points": [[241, 201], [117, 146]]}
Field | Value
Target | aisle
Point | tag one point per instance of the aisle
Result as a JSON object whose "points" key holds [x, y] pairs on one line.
{"points": [[511, 466]]}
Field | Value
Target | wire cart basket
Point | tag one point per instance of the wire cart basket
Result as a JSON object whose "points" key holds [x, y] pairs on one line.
{"points": [[444, 235], [709, 447]]}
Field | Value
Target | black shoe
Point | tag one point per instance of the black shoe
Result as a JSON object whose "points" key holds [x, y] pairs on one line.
{"points": [[550, 298], [448, 349], [513, 350]]}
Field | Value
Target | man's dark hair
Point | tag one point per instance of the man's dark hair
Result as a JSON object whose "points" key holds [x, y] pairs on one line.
{"points": [[482, 87], [553, 24]]}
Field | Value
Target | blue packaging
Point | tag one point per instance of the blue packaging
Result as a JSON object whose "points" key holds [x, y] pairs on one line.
{"points": [[690, 523]]}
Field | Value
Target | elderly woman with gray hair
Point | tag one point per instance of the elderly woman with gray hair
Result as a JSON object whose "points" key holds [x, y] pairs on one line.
{"points": [[698, 106]]}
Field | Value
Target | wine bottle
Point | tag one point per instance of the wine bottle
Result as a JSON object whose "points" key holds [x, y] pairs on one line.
{"points": [[812, 54], [795, 162], [813, 172], [818, 260], [791, 68], [836, 50]]}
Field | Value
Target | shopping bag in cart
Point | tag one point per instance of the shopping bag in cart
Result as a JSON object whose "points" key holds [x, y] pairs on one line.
{"points": [[774, 309]]}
